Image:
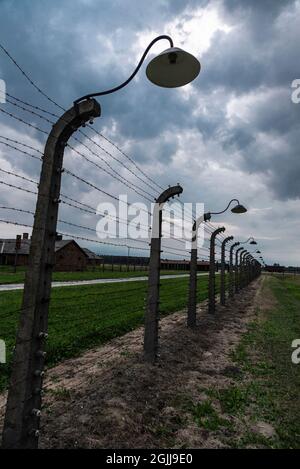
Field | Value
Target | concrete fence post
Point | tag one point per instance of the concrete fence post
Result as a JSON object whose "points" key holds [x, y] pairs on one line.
{"points": [[222, 274], [236, 270], [212, 272], [241, 270], [231, 269], [152, 308], [247, 269], [244, 270], [250, 269], [17, 248], [191, 316], [192, 302], [253, 269], [22, 418]]}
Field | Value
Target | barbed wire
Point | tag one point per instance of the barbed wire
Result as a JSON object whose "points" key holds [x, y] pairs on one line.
{"points": [[115, 175], [23, 121], [81, 132], [27, 154], [30, 80], [83, 238], [63, 221], [22, 143], [27, 77]]}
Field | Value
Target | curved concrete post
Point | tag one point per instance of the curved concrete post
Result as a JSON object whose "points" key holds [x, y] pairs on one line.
{"points": [[152, 308], [191, 315], [222, 275], [236, 270], [231, 269], [212, 268], [246, 258], [248, 269], [241, 269], [22, 418]]}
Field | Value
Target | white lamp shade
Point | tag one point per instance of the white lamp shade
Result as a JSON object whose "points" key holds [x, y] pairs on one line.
{"points": [[172, 68]]}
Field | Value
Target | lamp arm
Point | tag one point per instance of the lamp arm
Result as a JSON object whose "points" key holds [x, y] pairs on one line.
{"points": [[219, 213], [112, 90], [245, 242]]}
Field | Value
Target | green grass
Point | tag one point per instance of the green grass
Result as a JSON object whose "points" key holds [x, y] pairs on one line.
{"points": [[7, 275], [84, 316], [207, 417], [268, 387], [264, 386]]}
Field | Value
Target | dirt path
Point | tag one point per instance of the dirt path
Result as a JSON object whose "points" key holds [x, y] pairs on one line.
{"points": [[108, 398]]}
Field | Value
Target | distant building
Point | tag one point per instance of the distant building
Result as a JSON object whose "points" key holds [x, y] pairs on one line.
{"points": [[8, 251], [176, 264], [69, 256], [92, 258], [276, 268]]}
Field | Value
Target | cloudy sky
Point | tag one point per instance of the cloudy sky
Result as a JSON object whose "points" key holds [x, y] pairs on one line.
{"points": [[233, 133]]}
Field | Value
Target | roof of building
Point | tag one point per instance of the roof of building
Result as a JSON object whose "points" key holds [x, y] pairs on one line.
{"points": [[92, 255], [7, 246], [62, 243]]}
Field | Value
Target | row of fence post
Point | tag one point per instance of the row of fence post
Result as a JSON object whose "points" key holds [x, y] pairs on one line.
{"points": [[23, 409], [245, 269]]}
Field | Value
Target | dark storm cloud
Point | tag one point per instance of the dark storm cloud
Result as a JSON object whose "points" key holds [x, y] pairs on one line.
{"points": [[74, 47], [60, 43], [260, 57]]}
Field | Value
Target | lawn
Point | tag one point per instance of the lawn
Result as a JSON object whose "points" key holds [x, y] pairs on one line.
{"points": [[7, 275], [266, 389], [84, 316]]}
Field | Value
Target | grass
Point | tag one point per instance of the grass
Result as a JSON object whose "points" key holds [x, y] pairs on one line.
{"points": [[88, 315], [267, 389], [7, 276], [233, 400], [260, 407], [207, 417]]}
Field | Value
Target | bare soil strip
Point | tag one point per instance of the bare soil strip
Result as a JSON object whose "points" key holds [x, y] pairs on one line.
{"points": [[109, 398]]}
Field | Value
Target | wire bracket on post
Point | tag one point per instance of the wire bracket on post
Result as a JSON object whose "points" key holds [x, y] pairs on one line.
{"points": [[222, 279], [25, 389], [152, 309], [212, 272]]}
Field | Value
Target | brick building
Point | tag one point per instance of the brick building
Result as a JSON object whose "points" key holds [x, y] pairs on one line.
{"points": [[69, 256], [93, 259]]}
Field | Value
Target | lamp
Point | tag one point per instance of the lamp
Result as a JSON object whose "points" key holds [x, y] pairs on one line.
{"points": [[238, 208], [172, 68]]}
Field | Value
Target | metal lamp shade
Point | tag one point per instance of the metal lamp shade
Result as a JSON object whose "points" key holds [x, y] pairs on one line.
{"points": [[172, 68], [239, 209]]}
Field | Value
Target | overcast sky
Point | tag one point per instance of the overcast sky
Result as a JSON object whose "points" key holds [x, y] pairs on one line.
{"points": [[233, 133]]}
